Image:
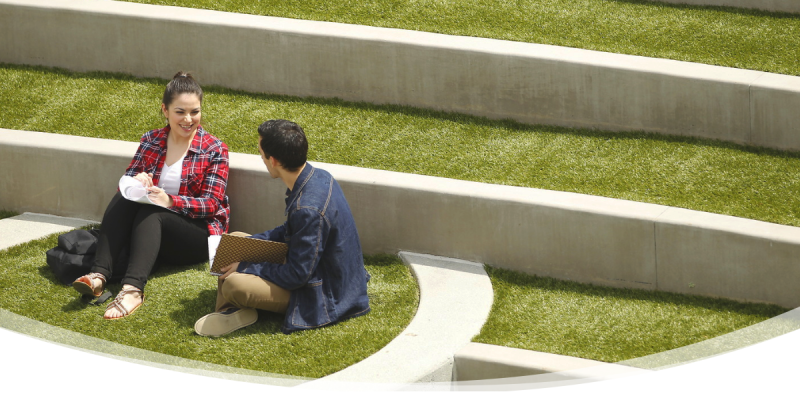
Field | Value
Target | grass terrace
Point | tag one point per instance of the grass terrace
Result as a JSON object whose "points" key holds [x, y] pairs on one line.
{"points": [[722, 36], [177, 297], [606, 324]]}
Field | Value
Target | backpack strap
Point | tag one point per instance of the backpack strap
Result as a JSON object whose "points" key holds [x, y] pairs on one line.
{"points": [[96, 301]]}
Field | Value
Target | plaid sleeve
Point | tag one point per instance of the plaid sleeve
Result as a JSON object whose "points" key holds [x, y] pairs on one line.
{"points": [[146, 157], [207, 180]]}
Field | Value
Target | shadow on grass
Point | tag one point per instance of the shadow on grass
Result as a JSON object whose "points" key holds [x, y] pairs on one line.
{"points": [[194, 308], [727, 9]]}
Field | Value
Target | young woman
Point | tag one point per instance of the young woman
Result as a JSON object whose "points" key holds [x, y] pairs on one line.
{"points": [[185, 171]]}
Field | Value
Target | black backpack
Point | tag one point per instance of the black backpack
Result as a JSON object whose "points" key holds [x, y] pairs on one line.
{"points": [[74, 255]]}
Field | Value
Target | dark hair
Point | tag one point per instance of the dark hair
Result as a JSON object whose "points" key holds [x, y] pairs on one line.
{"points": [[286, 141], [181, 83]]}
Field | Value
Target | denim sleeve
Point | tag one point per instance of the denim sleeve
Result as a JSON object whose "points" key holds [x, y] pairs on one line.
{"points": [[305, 249], [275, 235]]}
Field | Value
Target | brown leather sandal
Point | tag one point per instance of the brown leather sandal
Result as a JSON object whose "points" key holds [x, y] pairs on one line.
{"points": [[85, 284], [117, 303]]}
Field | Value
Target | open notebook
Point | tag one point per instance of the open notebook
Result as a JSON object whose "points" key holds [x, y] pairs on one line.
{"points": [[233, 249], [133, 190]]}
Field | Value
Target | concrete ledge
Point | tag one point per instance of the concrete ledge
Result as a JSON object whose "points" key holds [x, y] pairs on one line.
{"points": [[563, 235], [701, 253], [527, 82], [30, 226], [478, 361], [455, 300], [789, 6]]}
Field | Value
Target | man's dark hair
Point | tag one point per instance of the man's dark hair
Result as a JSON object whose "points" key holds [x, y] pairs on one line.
{"points": [[286, 141]]}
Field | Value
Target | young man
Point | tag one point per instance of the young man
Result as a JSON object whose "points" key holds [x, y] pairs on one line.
{"points": [[323, 280]]}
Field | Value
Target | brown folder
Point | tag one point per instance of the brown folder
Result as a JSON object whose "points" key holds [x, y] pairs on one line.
{"points": [[233, 249]]}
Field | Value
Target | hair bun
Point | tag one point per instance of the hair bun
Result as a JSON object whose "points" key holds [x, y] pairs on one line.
{"points": [[182, 74]]}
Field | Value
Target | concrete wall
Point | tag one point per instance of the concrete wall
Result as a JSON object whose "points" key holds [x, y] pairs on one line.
{"points": [[564, 235], [499, 79], [790, 6]]}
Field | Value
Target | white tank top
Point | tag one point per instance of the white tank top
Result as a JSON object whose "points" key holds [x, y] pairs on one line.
{"points": [[170, 179]]}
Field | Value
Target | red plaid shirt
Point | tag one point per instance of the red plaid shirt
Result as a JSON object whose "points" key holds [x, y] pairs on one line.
{"points": [[204, 176]]}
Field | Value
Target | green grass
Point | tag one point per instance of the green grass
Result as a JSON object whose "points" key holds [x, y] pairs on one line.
{"points": [[691, 173], [710, 35], [606, 324], [177, 297], [7, 214]]}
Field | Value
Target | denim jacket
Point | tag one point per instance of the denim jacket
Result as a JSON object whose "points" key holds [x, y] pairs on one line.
{"points": [[324, 269]]}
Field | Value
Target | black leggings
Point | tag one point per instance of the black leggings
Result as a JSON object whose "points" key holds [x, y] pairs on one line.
{"points": [[150, 233]]}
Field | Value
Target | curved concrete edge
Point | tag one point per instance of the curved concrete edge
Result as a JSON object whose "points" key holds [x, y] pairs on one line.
{"points": [[527, 82], [787, 6], [455, 299]]}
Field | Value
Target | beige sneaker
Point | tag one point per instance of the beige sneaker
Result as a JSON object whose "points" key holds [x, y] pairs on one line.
{"points": [[225, 322]]}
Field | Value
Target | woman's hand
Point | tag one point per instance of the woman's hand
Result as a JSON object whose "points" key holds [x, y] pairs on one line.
{"points": [[159, 196], [146, 179]]}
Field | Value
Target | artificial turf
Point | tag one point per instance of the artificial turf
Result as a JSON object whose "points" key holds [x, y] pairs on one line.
{"points": [[606, 324]]}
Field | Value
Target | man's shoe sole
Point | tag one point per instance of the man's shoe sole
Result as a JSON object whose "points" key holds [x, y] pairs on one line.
{"points": [[218, 324]]}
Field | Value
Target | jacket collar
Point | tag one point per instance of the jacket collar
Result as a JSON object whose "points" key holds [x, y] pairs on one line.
{"points": [[299, 184]]}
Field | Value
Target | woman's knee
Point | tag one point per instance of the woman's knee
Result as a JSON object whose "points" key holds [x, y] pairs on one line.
{"points": [[149, 214]]}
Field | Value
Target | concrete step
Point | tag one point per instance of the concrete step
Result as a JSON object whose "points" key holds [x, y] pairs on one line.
{"points": [[30, 226]]}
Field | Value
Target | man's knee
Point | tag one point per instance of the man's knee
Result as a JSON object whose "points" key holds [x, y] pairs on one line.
{"points": [[250, 291], [235, 289]]}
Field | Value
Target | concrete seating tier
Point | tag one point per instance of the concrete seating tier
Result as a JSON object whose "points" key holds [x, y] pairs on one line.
{"points": [[526, 82], [563, 235]]}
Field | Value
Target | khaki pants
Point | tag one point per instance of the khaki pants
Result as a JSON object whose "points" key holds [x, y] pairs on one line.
{"points": [[250, 291]]}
